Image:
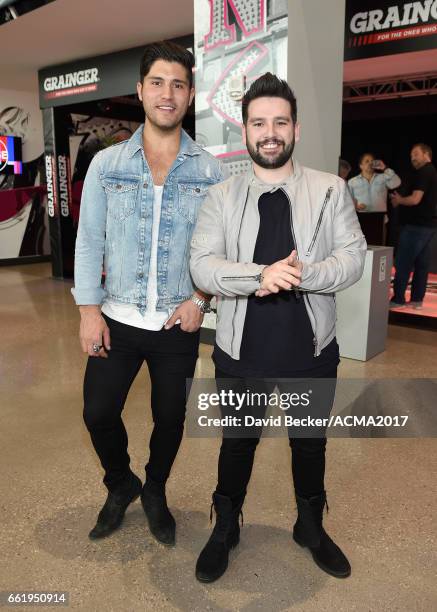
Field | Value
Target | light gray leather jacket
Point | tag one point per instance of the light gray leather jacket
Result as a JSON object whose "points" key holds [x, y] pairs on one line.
{"points": [[328, 238]]}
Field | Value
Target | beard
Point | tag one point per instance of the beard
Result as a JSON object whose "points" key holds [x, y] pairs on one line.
{"points": [[417, 164], [271, 163]]}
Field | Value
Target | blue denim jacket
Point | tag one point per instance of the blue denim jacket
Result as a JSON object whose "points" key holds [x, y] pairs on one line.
{"points": [[115, 225]]}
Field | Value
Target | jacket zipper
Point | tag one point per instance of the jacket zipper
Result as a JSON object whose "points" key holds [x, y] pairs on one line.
{"points": [[319, 222], [244, 278], [256, 277], [297, 293], [296, 290], [315, 343]]}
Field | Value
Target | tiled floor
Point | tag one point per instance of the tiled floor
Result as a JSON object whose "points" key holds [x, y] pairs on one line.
{"points": [[382, 492]]}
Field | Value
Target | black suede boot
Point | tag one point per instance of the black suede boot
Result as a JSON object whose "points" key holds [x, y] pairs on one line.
{"points": [[161, 522], [308, 531], [112, 513], [213, 560]]}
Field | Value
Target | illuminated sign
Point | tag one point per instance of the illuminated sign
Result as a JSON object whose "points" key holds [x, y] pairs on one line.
{"points": [[242, 64], [10, 155], [250, 16], [384, 27], [64, 184], [94, 78], [236, 41], [71, 83], [4, 157], [409, 14], [51, 185]]}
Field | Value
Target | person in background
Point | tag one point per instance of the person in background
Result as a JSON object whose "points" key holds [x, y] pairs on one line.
{"points": [[344, 169], [369, 190], [418, 217]]}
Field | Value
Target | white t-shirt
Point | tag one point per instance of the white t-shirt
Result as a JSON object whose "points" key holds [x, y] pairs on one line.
{"points": [[129, 314]]}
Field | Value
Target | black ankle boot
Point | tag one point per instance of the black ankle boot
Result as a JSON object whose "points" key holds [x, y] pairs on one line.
{"points": [[308, 531], [112, 513], [213, 560], [161, 522]]}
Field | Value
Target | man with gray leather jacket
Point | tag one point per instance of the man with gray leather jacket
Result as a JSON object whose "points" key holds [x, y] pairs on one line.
{"points": [[274, 245]]}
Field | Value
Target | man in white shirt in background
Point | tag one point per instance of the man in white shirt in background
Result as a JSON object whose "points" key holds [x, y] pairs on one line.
{"points": [[369, 190]]}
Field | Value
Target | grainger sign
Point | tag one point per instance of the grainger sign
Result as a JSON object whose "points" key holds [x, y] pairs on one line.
{"points": [[94, 78], [71, 83], [385, 27]]}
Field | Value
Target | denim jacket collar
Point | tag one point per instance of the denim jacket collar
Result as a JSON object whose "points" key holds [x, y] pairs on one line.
{"points": [[187, 146]]}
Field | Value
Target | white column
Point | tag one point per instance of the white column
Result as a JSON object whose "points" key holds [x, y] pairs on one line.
{"points": [[315, 72]]}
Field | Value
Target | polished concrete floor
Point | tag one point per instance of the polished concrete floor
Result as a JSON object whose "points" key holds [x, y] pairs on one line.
{"points": [[382, 492]]}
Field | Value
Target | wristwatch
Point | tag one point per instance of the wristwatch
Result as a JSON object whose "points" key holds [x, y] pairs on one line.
{"points": [[203, 305]]}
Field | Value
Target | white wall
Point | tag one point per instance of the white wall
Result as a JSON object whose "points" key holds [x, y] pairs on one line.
{"points": [[315, 72], [21, 116]]}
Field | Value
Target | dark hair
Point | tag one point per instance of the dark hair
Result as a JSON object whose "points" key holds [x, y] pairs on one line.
{"points": [[270, 86], [424, 147], [343, 163], [363, 155], [169, 52]]}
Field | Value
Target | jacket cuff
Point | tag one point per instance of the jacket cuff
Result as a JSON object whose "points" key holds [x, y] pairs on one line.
{"points": [[88, 296]]}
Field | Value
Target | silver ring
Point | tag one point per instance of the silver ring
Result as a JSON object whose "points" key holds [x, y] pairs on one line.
{"points": [[97, 348]]}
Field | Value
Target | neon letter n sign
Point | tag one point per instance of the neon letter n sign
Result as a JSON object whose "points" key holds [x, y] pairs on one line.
{"points": [[250, 16]]}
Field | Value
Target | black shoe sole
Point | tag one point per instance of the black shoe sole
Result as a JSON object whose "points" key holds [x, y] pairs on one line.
{"points": [[106, 535], [208, 579], [319, 564]]}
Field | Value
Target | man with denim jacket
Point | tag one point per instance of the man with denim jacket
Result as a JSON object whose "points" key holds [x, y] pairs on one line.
{"points": [[274, 245], [139, 206]]}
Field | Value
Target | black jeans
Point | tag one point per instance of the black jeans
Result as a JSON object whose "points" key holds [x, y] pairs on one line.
{"points": [[413, 254], [171, 357], [308, 454]]}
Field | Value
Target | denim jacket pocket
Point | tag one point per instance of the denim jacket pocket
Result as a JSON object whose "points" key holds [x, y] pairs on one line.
{"points": [[121, 193], [190, 197]]}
